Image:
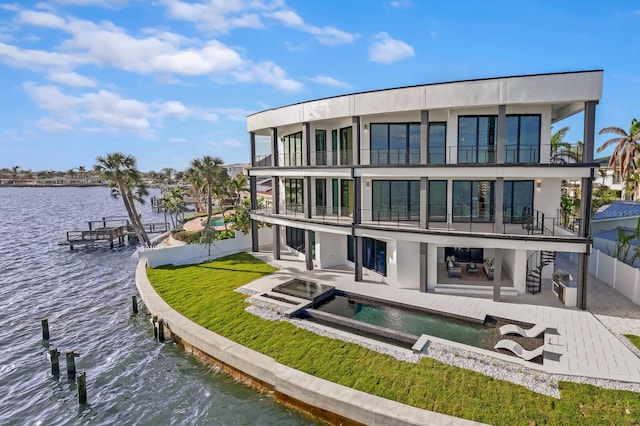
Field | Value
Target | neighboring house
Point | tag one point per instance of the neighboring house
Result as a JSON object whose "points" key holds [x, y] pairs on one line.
{"points": [[607, 176], [234, 170], [619, 214], [398, 181]]}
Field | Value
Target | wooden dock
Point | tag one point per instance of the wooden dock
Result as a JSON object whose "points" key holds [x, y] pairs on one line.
{"points": [[111, 230]]}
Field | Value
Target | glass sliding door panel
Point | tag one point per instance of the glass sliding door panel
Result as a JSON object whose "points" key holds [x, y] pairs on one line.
{"points": [[381, 257], [511, 140], [321, 196], [529, 139], [379, 143], [321, 147], [461, 208], [414, 143], [482, 204], [437, 143], [438, 200], [486, 139], [399, 199], [380, 196], [346, 197], [398, 144], [335, 193], [346, 146], [414, 200], [467, 139], [334, 147]]}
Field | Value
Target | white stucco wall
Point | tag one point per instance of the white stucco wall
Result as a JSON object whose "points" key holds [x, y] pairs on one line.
{"points": [[331, 249], [408, 265]]}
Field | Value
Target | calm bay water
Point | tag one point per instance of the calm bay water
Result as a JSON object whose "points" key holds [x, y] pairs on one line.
{"points": [[86, 295]]}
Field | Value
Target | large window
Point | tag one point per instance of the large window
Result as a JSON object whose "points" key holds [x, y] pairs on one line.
{"points": [[334, 147], [321, 147], [477, 139], [374, 254], [335, 196], [473, 201], [346, 197], [438, 200], [522, 139], [293, 149], [295, 238], [436, 151], [518, 195], [293, 194], [395, 143], [346, 145], [321, 196], [396, 200]]}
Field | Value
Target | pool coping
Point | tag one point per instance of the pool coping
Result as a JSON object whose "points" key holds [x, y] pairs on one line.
{"points": [[303, 389]]}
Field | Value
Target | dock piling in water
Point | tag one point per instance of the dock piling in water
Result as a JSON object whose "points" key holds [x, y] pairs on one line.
{"points": [[71, 365], [160, 330], [82, 388], [154, 319], [45, 329], [55, 360], [134, 304]]}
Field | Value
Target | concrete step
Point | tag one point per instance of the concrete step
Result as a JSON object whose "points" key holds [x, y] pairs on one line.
{"points": [[472, 290]]}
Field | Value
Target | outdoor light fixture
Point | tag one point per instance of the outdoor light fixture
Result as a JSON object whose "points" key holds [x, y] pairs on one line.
{"points": [[366, 127], [539, 185]]}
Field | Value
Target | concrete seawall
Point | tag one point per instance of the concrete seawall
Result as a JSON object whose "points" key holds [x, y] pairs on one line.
{"points": [[322, 398]]}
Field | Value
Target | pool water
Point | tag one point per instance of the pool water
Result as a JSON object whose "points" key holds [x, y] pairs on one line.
{"points": [[410, 321], [305, 289], [216, 222]]}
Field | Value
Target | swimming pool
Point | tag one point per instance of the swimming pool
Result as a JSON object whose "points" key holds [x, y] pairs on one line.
{"points": [[407, 320], [305, 290], [216, 222]]}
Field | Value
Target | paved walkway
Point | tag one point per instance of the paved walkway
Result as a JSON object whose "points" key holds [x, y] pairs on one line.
{"points": [[576, 343]]}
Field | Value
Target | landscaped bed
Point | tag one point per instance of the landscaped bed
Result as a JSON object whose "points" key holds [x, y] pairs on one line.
{"points": [[205, 294]]}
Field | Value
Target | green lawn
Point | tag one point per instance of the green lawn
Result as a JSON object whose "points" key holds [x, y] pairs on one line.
{"points": [[204, 293], [634, 339]]}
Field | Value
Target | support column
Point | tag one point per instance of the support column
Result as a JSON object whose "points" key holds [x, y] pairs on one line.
{"points": [[252, 144], [275, 155], [498, 224], [253, 189], [497, 274], [585, 202], [276, 242], [357, 202], [356, 139], [275, 194], [424, 247], [501, 132], [424, 203], [307, 143], [358, 258], [424, 137], [306, 196], [308, 257]]}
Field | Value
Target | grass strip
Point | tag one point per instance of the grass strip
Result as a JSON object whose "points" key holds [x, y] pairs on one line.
{"points": [[204, 293], [633, 339]]}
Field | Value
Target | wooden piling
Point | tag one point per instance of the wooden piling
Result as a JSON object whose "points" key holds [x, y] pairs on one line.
{"points": [[134, 304], [45, 329], [82, 388], [55, 360], [161, 330], [71, 365], [155, 326]]}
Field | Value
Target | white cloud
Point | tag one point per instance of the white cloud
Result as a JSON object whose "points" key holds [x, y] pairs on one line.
{"points": [[227, 143], [102, 3], [401, 3], [386, 50], [219, 16], [235, 114], [71, 79], [162, 52], [110, 110], [11, 7], [267, 72], [330, 81], [326, 35]]}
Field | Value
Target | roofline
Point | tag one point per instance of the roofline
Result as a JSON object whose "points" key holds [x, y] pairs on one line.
{"points": [[427, 84]]}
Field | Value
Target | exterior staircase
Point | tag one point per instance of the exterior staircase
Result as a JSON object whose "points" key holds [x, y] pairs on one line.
{"points": [[535, 263], [532, 221]]}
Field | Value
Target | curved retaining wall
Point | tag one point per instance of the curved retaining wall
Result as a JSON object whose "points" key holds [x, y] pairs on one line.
{"points": [[321, 397]]}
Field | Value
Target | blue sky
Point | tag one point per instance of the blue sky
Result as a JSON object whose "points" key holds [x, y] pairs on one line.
{"points": [[170, 80]]}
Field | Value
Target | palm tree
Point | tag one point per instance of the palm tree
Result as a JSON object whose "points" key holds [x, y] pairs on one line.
{"points": [[14, 171], [627, 147], [196, 185], [563, 152], [236, 186], [174, 203], [210, 169], [82, 171], [124, 179]]}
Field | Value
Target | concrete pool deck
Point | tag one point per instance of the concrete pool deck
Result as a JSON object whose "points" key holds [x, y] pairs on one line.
{"points": [[577, 342]]}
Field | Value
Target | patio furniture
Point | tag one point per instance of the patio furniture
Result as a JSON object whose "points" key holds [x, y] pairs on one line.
{"points": [[534, 331], [518, 350], [488, 268], [473, 270], [454, 269]]}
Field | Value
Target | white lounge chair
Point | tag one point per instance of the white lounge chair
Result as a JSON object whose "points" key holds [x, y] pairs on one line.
{"points": [[519, 350], [534, 331]]}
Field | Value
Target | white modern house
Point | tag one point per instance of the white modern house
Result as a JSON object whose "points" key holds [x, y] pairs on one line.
{"points": [[447, 187]]}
